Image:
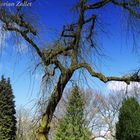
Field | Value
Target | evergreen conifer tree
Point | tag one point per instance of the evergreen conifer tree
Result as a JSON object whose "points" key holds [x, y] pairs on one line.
{"points": [[128, 126], [7, 111], [71, 126]]}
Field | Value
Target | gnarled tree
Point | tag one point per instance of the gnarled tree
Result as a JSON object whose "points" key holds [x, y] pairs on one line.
{"points": [[70, 46]]}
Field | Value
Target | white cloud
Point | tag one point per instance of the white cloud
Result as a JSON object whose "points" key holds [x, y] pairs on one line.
{"points": [[118, 86]]}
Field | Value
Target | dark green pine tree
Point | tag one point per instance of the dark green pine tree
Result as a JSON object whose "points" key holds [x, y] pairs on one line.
{"points": [[7, 111], [71, 127], [128, 126]]}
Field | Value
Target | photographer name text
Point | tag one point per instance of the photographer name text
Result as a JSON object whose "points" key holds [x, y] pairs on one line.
{"points": [[16, 4]]}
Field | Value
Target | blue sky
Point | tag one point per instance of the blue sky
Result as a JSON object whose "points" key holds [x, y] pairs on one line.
{"points": [[53, 14]]}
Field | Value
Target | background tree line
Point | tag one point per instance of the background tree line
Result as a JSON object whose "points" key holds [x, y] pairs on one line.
{"points": [[80, 115]]}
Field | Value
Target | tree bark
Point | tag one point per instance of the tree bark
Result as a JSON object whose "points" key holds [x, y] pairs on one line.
{"points": [[43, 130]]}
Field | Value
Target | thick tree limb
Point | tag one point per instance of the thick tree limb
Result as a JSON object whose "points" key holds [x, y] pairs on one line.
{"points": [[50, 54], [58, 64], [44, 128], [104, 78], [46, 56], [25, 36]]}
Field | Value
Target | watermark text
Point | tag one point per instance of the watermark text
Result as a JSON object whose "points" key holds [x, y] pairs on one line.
{"points": [[16, 4]]}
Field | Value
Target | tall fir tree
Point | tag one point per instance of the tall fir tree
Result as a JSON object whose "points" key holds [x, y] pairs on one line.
{"points": [[71, 126], [7, 111], [128, 126]]}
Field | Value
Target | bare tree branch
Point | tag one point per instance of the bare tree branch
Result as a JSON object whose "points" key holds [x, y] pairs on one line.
{"points": [[97, 5], [104, 78], [129, 7]]}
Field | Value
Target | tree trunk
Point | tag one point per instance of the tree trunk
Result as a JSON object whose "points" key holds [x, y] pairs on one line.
{"points": [[43, 130]]}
